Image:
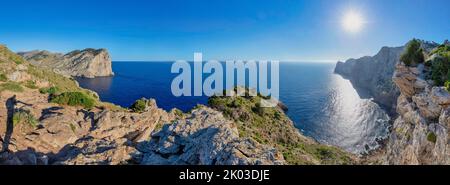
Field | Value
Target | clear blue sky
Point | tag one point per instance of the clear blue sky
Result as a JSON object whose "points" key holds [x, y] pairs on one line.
{"points": [[222, 29]]}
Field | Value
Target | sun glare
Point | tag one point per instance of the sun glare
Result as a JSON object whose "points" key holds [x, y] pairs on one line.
{"points": [[352, 21]]}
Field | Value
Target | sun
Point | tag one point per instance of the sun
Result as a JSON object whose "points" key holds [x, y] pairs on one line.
{"points": [[352, 21]]}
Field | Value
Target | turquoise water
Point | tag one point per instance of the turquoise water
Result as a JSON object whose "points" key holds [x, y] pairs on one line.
{"points": [[322, 105]]}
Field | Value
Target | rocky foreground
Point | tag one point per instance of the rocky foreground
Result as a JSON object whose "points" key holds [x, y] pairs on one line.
{"points": [[46, 118], [420, 134], [88, 63]]}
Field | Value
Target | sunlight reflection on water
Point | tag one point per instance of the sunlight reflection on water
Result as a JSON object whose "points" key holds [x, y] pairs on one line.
{"points": [[350, 122]]}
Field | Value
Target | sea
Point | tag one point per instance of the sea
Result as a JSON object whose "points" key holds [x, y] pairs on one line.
{"points": [[322, 105]]}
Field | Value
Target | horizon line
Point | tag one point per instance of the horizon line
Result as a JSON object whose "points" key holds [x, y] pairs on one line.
{"points": [[284, 61]]}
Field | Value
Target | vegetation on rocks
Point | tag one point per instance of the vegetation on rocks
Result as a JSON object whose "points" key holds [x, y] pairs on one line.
{"points": [[7, 55], [440, 65], [74, 99], [272, 127], [431, 137], [24, 116], [3, 77], [139, 105], [49, 90], [65, 84], [11, 86], [437, 63], [177, 112], [30, 84], [413, 54]]}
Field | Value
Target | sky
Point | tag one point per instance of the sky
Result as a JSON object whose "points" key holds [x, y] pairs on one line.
{"points": [[161, 30]]}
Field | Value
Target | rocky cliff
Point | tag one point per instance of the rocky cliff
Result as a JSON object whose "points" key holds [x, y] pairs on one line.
{"points": [[46, 118], [88, 63], [372, 75], [420, 133]]}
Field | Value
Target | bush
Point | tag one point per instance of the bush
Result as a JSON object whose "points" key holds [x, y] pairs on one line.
{"points": [[49, 90], [139, 105], [440, 66], [30, 84], [11, 86], [413, 54], [24, 116], [431, 137], [447, 85], [442, 49], [74, 99], [3, 77], [258, 109], [178, 112]]}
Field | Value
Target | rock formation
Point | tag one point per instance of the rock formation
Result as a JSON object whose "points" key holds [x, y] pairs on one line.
{"points": [[372, 76], [206, 138], [88, 63], [420, 133], [35, 130]]}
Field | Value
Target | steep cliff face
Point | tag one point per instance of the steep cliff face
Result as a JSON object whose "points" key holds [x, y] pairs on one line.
{"points": [[372, 75], [88, 63], [420, 134]]}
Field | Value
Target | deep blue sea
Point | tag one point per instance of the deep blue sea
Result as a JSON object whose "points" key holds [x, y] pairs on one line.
{"points": [[322, 105]]}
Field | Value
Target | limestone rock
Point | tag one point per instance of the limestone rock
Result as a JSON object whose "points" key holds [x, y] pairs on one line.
{"points": [[88, 63], [372, 76], [420, 132], [205, 138], [19, 76]]}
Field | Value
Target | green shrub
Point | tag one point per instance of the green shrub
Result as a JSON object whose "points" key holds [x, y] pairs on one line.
{"points": [[431, 137], [258, 109], [3, 77], [139, 105], [413, 54], [178, 112], [30, 84], [442, 49], [74, 99], [11, 86], [447, 85], [63, 83], [440, 68], [49, 90], [72, 127], [271, 126], [24, 116]]}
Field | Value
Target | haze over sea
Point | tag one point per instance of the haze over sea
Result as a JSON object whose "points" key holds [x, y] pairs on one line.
{"points": [[322, 105]]}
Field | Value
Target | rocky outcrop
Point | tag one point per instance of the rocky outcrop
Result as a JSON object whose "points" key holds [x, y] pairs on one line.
{"points": [[74, 136], [372, 76], [206, 138], [71, 135], [88, 63], [33, 130], [420, 134]]}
